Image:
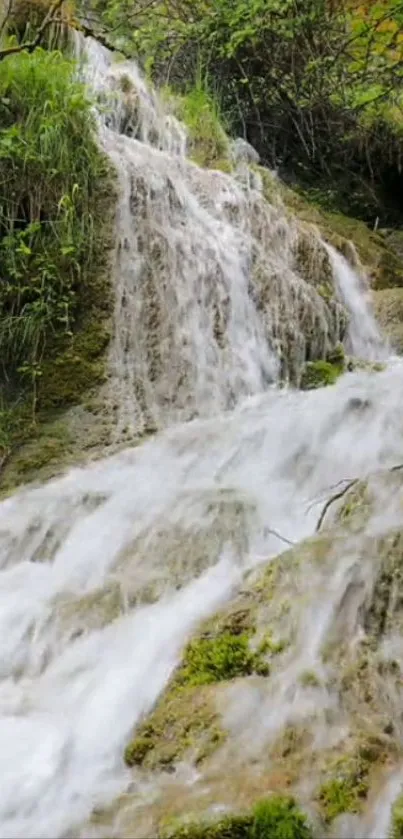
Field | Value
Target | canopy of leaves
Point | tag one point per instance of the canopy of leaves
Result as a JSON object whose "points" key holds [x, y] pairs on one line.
{"points": [[315, 85]]}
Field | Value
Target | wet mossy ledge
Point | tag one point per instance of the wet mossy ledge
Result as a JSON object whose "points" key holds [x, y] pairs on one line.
{"points": [[380, 252], [212, 716], [184, 720], [56, 236], [275, 817]]}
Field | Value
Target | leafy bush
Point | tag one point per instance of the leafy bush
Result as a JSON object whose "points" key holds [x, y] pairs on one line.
{"points": [[53, 184], [315, 86]]}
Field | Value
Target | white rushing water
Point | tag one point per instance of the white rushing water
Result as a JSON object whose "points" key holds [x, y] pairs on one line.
{"points": [[365, 340], [161, 534]]}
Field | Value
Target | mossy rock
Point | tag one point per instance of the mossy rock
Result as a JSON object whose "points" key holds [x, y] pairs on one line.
{"points": [[208, 143], [356, 506], [317, 374], [277, 817], [346, 789], [216, 659], [381, 258], [183, 721], [73, 367], [185, 718]]}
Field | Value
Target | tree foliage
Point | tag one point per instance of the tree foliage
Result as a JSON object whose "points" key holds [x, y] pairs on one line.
{"points": [[315, 85]]}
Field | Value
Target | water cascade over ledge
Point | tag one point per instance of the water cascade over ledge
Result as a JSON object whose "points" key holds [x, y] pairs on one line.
{"points": [[105, 572]]}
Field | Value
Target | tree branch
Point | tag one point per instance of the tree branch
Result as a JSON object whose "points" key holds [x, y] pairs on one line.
{"points": [[30, 46], [6, 17], [332, 499], [343, 491]]}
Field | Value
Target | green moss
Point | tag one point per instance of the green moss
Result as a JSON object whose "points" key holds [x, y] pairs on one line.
{"points": [[317, 374], [382, 260], [396, 827], [337, 357], [277, 817], [354, 364], [183, 720], [227, 656], [272, 647], [347, 789], [357, 504], [309, 679]]}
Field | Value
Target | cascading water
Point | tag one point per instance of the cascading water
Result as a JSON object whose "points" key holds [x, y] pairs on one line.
{"points": [[217, 290], [105, 571], [364, 336]]}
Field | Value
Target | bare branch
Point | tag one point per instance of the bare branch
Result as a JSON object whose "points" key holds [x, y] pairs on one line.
{"points": [[332, 499], [30, 46], [6, 17]]}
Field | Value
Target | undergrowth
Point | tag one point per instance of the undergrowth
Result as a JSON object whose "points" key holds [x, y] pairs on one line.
{"points": [[199, 109], [55, 202]]}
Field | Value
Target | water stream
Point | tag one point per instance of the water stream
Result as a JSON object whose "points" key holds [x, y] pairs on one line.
{"points": [[165, 531]]}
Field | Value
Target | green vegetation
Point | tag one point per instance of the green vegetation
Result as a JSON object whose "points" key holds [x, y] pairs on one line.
{"points": [[277, 817], [183, 720], [314, 85], [55, 222], [199, 110], [309, 679], [346, 790], [185, 717], [226, 656], [396, 828], [25, 17], [318, 374]]}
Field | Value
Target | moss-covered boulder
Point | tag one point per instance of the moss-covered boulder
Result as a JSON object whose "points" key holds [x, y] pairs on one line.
{"points": [[322, 672], [184, 723]]}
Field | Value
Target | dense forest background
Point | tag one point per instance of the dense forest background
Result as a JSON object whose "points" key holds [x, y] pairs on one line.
{"points": [[314, 85]]}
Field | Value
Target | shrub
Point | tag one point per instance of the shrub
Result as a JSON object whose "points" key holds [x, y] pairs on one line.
{"points": [[53, 187]]}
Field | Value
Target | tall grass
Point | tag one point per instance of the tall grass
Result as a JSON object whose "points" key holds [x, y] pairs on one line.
{"points": [[52, 178]]}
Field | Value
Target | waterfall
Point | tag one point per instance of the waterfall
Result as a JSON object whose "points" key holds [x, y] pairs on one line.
{"points": [[214, 294], [105, 571], [364, 338]]}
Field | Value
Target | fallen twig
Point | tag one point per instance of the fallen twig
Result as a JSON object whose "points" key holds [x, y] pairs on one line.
{"points": [[333, 498], [342, 492]]}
